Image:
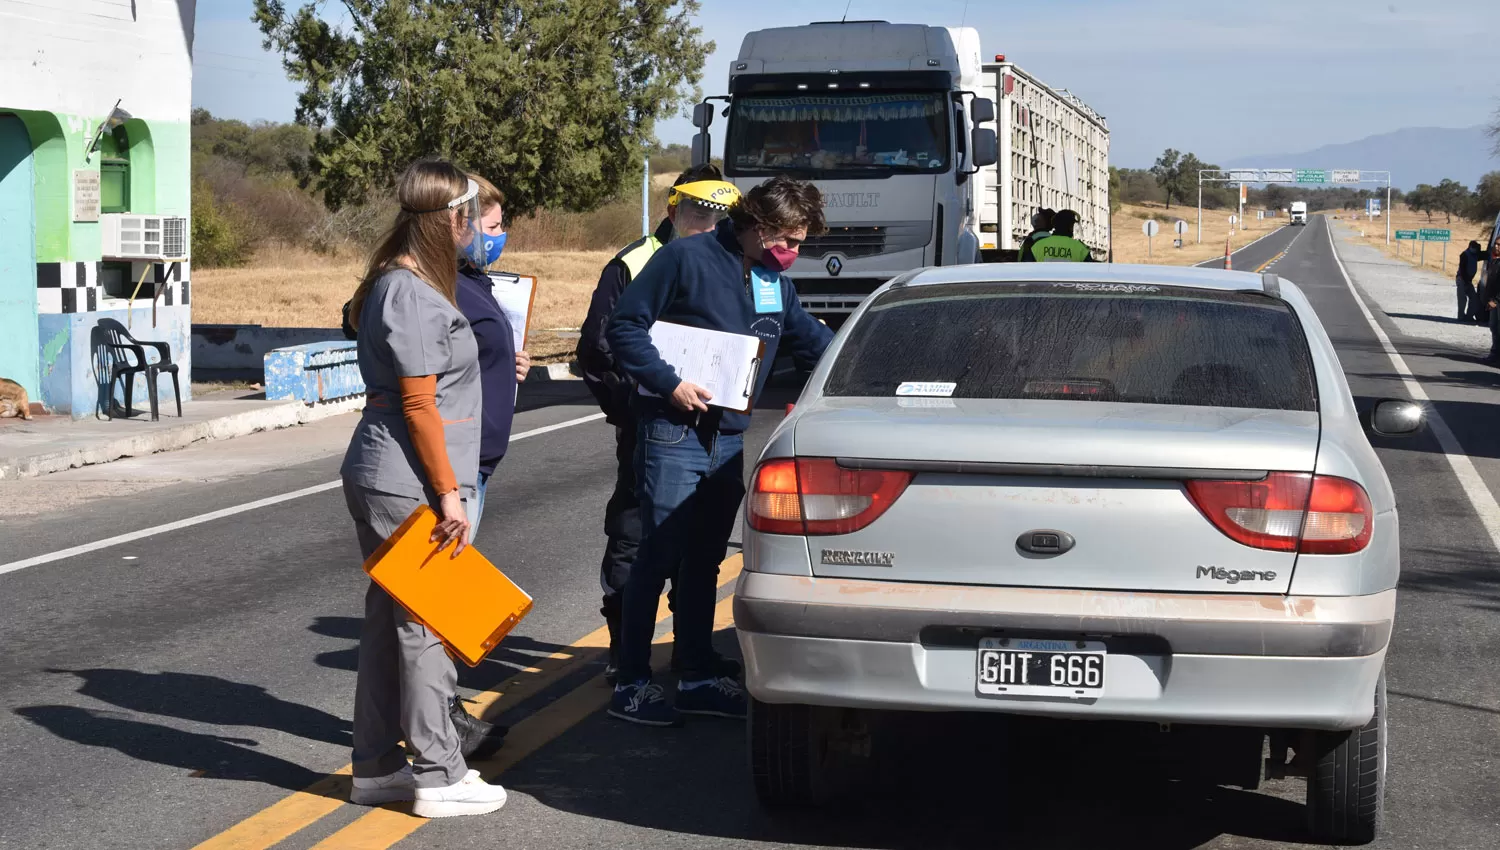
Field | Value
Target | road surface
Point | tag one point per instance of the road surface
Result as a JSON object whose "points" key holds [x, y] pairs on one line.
{"points": [[184, 688]]}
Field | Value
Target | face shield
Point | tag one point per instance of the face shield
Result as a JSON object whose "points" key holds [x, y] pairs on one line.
{"points": [[699, 206], [693, 217], [466, 211]]}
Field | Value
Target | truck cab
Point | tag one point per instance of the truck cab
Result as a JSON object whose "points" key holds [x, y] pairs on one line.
{"points": [[884, 119], [1299, 212]]}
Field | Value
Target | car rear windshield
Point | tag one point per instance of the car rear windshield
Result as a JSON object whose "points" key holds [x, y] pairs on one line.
{"points": [[1084, 342]]}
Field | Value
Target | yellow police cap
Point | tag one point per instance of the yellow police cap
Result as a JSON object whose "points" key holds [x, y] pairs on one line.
{"points": [[714, 194]]}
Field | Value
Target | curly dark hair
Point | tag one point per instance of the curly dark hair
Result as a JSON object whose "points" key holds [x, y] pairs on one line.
{"points": [[781, 203]]}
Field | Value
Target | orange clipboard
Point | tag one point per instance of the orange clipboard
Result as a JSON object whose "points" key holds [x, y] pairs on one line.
{"points": [[466, 601]]}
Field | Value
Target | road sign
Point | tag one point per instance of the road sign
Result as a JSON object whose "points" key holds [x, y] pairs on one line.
{"points": [[1260, 214], [1244, 175], [1277, 175], [1429, 234], [1180, 226], [1346, 175], [1233, 220], [1406, 234], [1311, 175], [1372, 207], [1151, 228]]}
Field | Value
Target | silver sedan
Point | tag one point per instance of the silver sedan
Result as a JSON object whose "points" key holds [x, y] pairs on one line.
{"points": [[1081, 491]]}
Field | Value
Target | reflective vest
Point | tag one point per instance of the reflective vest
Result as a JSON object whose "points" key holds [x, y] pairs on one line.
{"points": [[1060, 249], [635, 255]]}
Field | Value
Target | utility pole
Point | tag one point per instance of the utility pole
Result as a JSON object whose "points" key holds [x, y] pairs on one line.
{"points": [[646, 197]]}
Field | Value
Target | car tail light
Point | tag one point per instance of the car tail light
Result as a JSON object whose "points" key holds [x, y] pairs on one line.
{"points": [[1289, 512], [817, 496]]}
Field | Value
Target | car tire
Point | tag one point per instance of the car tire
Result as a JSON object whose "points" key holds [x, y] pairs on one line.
{"points": [[788, 755], [1346, 788]]}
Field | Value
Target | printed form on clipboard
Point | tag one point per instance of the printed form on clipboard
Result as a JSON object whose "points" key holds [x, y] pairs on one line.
{"points": [[725, 364], [515, 293]]}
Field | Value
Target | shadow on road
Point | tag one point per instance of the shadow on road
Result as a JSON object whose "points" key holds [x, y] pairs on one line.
{"points": [[208, 756], [209, 699]]}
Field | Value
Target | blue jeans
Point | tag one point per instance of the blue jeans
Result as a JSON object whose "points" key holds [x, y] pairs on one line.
{"points": [[690, 483], [476, 505]]}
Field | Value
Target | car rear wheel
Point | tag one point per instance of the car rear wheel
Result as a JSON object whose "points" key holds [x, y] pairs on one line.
{"points": [[1346, 788], [789, 754]]}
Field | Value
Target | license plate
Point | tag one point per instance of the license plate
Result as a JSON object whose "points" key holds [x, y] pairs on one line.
{"points": [[1068, 669]]}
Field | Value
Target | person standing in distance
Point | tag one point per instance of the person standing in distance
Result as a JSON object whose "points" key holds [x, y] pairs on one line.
{"points": [[698, 201], [1470, 308], [690, 457], [1061, 247], [1041, 228], [417, 443]]}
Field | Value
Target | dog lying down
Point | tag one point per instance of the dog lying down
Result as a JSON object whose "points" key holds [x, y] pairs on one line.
{"points": [[13, 400]]}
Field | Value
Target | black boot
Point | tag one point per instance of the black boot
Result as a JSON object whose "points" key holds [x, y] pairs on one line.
{"points": [[612, 617], [477, 739]]}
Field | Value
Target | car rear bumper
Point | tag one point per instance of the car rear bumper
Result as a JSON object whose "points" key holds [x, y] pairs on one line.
{"points": [[1305, 662]]}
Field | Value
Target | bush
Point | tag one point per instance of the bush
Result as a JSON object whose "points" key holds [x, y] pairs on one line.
{"points": [[218, 236]]}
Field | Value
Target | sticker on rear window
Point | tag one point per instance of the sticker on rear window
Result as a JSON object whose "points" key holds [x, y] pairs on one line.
{"points": [[926, 403], [930, 389]]}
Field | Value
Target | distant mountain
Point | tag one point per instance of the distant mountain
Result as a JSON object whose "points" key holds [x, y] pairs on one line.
{"points": [[1413, 155]]}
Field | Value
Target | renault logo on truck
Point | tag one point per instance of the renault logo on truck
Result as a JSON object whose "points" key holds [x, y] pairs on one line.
{"points": [[851, 200], [834, 266]]}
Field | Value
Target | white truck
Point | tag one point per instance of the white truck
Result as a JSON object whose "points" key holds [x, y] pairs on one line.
{"points": [[893, 122], [1299, 212]]}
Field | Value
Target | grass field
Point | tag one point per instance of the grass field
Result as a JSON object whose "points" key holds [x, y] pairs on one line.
{"points": [[1373, 233], [1130, 243]]}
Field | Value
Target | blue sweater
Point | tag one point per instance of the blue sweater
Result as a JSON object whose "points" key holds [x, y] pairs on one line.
{"points": [[701, 281], [497, 363]]}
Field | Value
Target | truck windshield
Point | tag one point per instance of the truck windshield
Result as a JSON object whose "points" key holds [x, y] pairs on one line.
{"points": [[839, 135]]}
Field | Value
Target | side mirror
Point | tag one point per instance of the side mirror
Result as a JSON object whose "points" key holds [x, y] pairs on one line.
{"points": [[1393, 417], [984, 148], [703, 116], [701, 152], [982, 110]]}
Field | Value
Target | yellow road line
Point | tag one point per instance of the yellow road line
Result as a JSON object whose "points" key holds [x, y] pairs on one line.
{"points": [[1268, 262], [385, 826], [301, 809]]}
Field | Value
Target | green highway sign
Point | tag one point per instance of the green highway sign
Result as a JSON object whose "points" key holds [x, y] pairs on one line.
{"points": [[1406, 234], [1428, 234], [1311, 175]]}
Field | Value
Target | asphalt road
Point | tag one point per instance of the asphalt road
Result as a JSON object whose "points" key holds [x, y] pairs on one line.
{"points": [[185, 688]]}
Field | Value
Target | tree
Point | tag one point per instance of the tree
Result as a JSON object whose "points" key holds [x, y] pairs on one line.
{"points": [[1484, 204], [1168, 171], [556, 102], [1450, 198], [1422, 199], [1493, 131]]}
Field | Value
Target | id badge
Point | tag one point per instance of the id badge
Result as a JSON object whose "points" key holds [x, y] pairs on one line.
{"points": [[765, 289]]}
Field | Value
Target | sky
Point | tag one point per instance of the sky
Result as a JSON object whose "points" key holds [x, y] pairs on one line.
{"points": [[1223, 80]]}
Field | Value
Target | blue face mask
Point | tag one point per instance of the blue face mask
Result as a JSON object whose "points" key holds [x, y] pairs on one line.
{"points": [[490, 245]]}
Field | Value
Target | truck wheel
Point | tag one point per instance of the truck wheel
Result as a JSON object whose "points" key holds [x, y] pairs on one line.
{"points": [[789, 754], [1346, 788]]}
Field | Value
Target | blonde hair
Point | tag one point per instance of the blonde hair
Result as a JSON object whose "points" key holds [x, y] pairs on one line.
{"points": [[489, 196], [422, 235]]}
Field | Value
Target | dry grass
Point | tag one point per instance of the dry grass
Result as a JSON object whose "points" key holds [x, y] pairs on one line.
{"points": [[300, 289], [1130, 243], [1373, 233]]}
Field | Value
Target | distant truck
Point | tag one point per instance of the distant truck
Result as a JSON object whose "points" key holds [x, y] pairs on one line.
{"points": [[1299, 212], [895, 124]]}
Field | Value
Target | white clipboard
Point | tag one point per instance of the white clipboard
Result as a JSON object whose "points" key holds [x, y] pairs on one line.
{"points": [[515, 293], [725, 364]]}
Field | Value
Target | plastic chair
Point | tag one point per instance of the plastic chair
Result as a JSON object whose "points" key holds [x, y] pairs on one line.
{"points": [[119, 340]]}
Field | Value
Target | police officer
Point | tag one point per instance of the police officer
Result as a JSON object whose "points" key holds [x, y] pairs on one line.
{"points": [[1061, 247], [698, 200], [1041, 228]]}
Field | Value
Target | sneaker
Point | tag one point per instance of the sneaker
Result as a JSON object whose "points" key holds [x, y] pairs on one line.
{"points": [[476, 738], [469, 796], [644, 703], [721, 697], [392, 788], [722, 666]]}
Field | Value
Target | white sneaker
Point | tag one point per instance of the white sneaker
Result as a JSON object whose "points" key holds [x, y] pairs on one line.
{"points": [[391, 788], [471, 796]]}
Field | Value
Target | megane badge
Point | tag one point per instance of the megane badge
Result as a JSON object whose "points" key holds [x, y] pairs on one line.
{"points": [[834, 266]]}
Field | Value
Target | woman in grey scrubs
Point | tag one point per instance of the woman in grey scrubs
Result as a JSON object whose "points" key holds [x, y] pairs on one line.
{"points": [[417, 443]]}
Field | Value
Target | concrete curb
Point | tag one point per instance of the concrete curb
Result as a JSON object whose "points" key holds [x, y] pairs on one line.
{"points": [[267, 418], [555, 372]]}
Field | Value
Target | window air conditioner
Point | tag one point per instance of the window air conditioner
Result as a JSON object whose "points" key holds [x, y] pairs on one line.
{"points": [[143, 237]]}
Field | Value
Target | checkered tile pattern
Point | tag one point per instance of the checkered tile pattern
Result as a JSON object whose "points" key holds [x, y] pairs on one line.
{"points": [[74, 287]]}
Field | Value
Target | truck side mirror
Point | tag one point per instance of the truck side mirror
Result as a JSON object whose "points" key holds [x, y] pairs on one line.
{"points": [[984, 148], [982, 110], [703, 116], [701, 149]]}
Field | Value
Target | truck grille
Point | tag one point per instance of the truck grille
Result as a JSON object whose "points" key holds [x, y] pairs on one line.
{"points": [[868, 240]]}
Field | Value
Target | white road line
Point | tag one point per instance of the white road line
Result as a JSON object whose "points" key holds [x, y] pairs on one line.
{"points": [[1463, 468], [191, 521]]}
